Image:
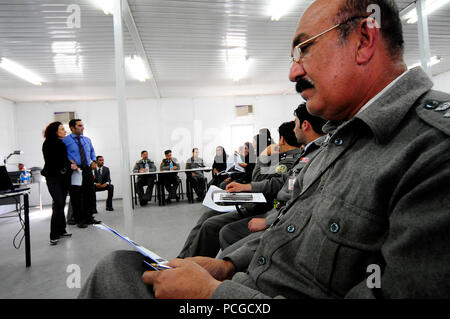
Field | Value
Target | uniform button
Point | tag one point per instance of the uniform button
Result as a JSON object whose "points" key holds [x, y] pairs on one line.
{"points": [[261, 260], [338, 141], [291, 228], [334, 227]]}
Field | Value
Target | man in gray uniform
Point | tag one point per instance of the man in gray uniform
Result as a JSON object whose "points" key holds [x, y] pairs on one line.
{"points": [[308, 131], [372, 217], [196, 179], [203, 240], [145, 165]]}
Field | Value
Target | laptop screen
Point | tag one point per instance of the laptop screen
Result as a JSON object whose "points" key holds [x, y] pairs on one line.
{"points": [[5, 181]]}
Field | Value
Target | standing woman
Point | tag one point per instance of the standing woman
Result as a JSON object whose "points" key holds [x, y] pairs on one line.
{"points": [[57, 171]]}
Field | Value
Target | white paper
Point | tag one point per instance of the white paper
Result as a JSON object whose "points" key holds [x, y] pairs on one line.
{"points": [[208, 200], [144, 251], [77, 178], [256, 198]]}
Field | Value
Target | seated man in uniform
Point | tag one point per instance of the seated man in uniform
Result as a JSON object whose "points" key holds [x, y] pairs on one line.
{"points": [[170, 180], [197, 179], [371, 219], [145, 165], [203, 240]]}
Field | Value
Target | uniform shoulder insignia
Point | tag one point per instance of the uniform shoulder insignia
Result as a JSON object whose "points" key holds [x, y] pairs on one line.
{"points": [[283, 156], [281, 169], [436, 113], [304, 159]]}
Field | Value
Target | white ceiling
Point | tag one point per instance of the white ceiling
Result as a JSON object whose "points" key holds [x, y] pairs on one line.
{"points": [[185, 42]]}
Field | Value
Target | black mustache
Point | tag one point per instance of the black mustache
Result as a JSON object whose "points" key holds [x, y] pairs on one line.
{"points": [[303, 84]]}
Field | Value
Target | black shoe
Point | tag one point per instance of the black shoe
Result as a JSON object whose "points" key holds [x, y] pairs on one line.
{"points": [[109, 209], [94, 221], [53, 242], [66, 234], [82, 225], [143, 202], [178, 198], [168, 201], [71, 222], [199, 199]]}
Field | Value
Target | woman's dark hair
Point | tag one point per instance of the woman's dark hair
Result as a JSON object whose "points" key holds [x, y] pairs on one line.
{"points": [[251, 156], [263, 139], [224, 155], [51, 130]]}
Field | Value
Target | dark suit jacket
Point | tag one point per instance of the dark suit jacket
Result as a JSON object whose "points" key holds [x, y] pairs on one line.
{"points": [[103, 177]]}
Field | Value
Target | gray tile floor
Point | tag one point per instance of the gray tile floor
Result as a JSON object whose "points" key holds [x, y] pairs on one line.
{"points": [[160, 229]]}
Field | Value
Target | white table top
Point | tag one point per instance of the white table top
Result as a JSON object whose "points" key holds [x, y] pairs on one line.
{"points": [[25, 191], [173, 171]]}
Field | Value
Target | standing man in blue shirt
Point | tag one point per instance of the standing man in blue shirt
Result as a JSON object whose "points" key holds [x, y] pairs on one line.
{"points": [[81, 151]]}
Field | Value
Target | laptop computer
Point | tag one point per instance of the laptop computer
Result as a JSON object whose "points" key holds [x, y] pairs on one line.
{"points": [[6, 185], [238, 198]]}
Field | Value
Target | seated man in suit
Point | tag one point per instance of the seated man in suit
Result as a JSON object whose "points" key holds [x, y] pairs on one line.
{"points": [[197, 179], [102, 181], [170, 181], [142, 166]]}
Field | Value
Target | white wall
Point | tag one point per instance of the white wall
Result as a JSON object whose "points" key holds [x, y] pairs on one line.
{"points": [[154, 125], [442, 82], [7, 129]]}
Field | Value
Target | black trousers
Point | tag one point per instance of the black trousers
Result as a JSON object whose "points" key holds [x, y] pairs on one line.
{"points": [[110, 189], [198, 184], [57, 187], [170, 182], [148, 181], [83, 198]]}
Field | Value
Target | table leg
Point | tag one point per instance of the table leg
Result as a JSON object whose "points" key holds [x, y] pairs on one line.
{"points": [[27, 231]]}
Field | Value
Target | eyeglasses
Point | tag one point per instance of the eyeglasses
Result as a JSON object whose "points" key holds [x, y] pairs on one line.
{"points": [[297, 54]]}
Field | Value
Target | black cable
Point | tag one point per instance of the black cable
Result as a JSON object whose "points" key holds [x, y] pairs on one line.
{"points": [[19, 213]]}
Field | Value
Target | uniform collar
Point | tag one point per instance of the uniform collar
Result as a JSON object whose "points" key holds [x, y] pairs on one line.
{"points": [[390, 106]]}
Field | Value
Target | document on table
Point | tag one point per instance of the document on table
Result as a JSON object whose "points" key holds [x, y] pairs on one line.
{"points": [[159, 261], [208, 200]]}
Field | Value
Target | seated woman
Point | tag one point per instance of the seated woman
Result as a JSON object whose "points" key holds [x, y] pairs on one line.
{"points": [[219, 165], [249, 162]]}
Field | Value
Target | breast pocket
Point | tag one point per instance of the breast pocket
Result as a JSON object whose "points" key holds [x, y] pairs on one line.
{"points": [[340, 242]]}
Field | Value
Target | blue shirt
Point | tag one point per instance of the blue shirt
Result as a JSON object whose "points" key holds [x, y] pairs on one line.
{"points": [[73, 152]]}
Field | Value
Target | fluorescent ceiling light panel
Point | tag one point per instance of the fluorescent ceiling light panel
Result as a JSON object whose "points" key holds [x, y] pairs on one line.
{"points": [[20, 71], [106, 5], [430, 6], [67, 64], [136, 68], [238, 63], [433, 60], [65, 47], [278, 8]]}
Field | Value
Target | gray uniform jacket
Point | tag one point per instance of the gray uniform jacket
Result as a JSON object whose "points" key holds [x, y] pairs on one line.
{"points": [[194, 163], [141, 164], [165, 164], [376, 195], [268, 166], [276, 186]]}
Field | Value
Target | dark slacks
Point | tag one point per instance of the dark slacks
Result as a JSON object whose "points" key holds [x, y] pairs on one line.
{"points": [[83, 198], [170, 182], [148, 181], [57, 187], [110, 189], [198, 184]]}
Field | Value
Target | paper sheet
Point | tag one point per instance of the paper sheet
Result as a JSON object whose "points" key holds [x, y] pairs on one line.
{"points": [[77, 177], [208, 201]]}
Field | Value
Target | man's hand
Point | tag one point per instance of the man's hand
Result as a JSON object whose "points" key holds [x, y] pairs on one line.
{"points": [[142, 170], [215, 171], [236, 187], [186, 280], [218, 268], [74, 166], [257, 224], [271, 149]]}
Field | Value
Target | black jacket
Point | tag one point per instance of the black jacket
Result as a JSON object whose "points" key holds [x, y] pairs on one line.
{"points": [[55, 157]]}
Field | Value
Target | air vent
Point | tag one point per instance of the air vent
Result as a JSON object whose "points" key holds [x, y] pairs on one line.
{"points": [[244, 110], [64, 117]]}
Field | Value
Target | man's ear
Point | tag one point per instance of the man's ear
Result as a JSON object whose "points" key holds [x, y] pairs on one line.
{"points": [[369, 36], [306, 126], [282, 141]]}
